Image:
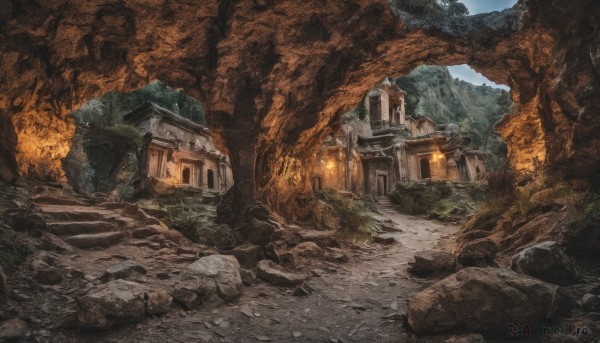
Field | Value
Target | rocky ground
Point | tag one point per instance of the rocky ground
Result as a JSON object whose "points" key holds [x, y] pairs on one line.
{"points": [[106, 271]]}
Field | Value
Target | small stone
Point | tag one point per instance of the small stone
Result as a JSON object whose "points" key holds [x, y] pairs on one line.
{"points": [[317, 272], [247, 311], [296, 334], [273, 273], [394, 305], [163, 275], [263, 338], [304, 289], [48, 276], [394, 316], [248, 276], [384, 240], [122, 270]]}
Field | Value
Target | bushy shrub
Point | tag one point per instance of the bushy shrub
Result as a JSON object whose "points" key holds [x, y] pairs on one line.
{"points": [[195, 227], [584, 211], [351, 213], [501, 181], [13, 250]]}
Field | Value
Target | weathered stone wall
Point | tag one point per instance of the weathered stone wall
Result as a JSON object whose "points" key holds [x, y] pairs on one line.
{"points": [[276, 76]]}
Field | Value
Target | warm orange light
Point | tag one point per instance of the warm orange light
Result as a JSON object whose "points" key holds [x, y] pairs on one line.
{"points": [[330, 165]]}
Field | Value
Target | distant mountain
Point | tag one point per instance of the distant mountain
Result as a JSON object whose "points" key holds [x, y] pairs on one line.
{"points": [[476, 109]]}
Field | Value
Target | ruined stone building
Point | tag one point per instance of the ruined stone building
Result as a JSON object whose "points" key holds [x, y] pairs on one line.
{"points": [[178, 151], [371, 155]]}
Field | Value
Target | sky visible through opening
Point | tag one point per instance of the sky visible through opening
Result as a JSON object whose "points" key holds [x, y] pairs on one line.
{"points": [[463, 71]]}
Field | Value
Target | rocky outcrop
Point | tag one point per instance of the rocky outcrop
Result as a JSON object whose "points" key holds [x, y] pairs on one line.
{"points": [[274, 93], [481, 300], [546, 261]]}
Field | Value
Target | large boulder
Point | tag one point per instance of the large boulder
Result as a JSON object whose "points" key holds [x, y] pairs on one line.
{"points": [[478, 253], [3, 282], [119, 302], [273, 273], [430, 262], [211, 280], [12, 329], [481, 300], [303, 252], [546, 261]]}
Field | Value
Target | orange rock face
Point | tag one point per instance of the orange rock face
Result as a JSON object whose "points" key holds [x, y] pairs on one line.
{"points": [[276, 75]]}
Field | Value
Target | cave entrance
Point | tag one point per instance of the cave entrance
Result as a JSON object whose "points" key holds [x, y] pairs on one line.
{"points": [[210, 179]]}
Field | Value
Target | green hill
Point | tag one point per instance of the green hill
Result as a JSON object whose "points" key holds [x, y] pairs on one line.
{"points": [[476, 109]]}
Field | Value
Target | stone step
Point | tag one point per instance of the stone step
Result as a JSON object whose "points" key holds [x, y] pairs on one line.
{"points": [[49, 200], [63, 213], [97, 240], [76, 228]]}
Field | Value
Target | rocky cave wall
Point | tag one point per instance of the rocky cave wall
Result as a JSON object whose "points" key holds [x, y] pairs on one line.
{"points": [[276, 76]]}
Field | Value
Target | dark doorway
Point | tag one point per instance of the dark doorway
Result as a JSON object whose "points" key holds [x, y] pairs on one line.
{"points": [[185, 175], [316, 183], [210, 178], [425, 169], [375, 108], [381, 185]]}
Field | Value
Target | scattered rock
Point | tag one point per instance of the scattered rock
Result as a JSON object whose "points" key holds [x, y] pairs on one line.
{"points": [[472, 338], [248, 276], [337, 255], [273, 273], [119, 302], [296, 334], [384, 240], [303, 289], [12, 329], [433, 262], [302, 252], [3, 282], [215, 279], [546, 261], [163, 275], [395, 316], [48, 276], [186, 298], [122, 270], [481, 299], [247, 254], [478, 253], [591, 302]]}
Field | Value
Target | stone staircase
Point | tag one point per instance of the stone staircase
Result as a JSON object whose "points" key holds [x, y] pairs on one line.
{"points": [[384, 205]]}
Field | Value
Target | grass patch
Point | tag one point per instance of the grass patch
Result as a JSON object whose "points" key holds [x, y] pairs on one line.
{"points": [[354, 220], [13, 250], [194, 226]]}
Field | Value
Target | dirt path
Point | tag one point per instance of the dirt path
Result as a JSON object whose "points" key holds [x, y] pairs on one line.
{"points": [[349, 302]]}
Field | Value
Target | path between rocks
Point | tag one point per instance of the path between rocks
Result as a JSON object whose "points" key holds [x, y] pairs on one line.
{"points": [[358, 301]]}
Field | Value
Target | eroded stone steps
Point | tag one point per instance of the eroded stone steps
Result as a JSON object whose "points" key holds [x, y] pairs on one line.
{"points": [[97, 240], [79, 227]]}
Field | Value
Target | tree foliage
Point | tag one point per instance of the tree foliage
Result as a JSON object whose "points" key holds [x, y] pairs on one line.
{"points": [[109, 109]]}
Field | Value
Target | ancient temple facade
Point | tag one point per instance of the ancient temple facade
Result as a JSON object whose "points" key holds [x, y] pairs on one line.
{"points": [[369, 156], [178, 151]]}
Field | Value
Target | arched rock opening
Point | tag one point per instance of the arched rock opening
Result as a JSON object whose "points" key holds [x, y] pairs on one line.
{"points": [[276, 76]]}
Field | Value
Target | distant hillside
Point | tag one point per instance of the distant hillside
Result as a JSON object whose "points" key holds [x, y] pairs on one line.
{"points": [[433, 92], [109, 109]]}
